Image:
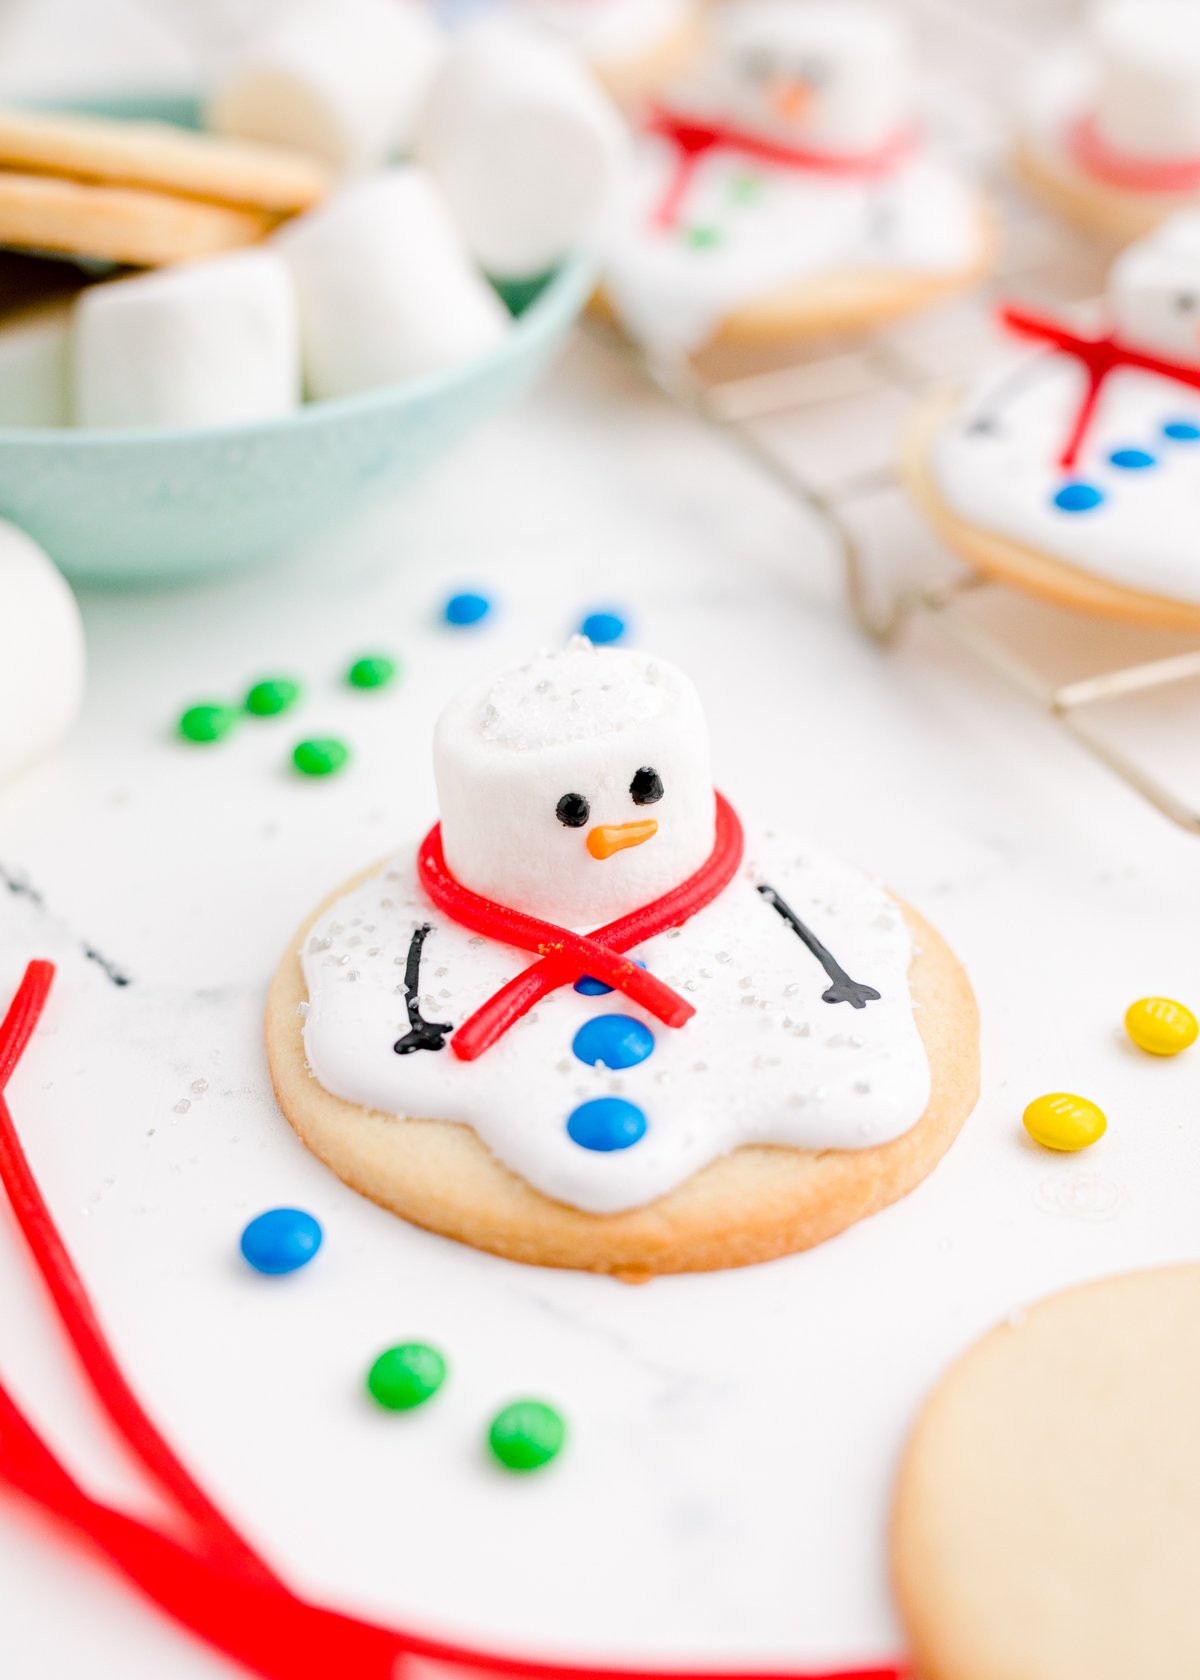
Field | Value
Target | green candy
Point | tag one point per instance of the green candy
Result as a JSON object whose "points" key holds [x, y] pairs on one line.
{"points": [[526, 1435], [274, 695], [746, 189], [208, 722], [406, 1376], [372, 671], [320, 757], [704, 238]]}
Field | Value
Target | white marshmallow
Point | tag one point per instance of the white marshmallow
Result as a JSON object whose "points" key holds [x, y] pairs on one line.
{"points": [[341, 79], [199, 344], [34, 367], [1154, 290], [41, 653], [386, 287], [1148, 77], [524, 144], [829, 75], [584, 721]]}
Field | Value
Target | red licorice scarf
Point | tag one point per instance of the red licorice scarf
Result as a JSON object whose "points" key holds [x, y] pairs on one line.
{"points": [[694, 137], [565, 955], [1100, 355]]}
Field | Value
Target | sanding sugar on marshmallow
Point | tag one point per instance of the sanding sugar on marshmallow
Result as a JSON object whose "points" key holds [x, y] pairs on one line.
{"points": [[524, 144], [341, 79], [198, 344], [1153, 288], [41, 653], [578, 786], [387, 289], [1147, 100]]}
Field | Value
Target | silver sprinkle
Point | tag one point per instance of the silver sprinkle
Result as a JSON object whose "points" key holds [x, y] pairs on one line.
{"points": [[303, 1007], [199, 1086], [790, 989], [316, 944], [723, 956], [182, 1106]]}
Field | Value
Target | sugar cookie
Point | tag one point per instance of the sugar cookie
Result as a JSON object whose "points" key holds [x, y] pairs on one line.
{"points": [[1072, 470], [746, 1097], [1047, 1516]]}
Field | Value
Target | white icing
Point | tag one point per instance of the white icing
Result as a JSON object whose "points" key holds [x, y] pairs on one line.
{"points": [[1004, 479], [41, 653], [1148, 76], [921, 219], [1154, 291], [610, 33], [764, 1060], [583, 721]]}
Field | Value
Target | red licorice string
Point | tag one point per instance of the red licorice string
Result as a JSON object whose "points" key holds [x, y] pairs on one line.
{"points": [[1100, 356], [694, 137], [75, 1309], [566, 955], [1096, 157], [226, 1594]]}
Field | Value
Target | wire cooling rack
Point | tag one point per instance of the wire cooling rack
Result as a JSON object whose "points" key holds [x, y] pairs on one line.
{"points": [[824, 425]]}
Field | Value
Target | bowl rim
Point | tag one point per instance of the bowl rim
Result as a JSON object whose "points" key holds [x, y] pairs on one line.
{"points": [[563, 295]]}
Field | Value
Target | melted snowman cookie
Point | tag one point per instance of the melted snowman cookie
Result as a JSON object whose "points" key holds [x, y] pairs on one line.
{"points": [[752, 1074]]}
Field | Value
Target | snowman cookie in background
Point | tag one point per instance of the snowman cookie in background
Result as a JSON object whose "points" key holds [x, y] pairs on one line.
{"points": [[786, 189], [632, 45], [41, 653], [588, 1022], [1110, 131], [1072, 470]]}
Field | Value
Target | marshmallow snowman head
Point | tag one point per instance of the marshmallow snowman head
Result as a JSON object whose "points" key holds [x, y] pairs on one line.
{"points": [[576, 787], [1147, 55], [825, 75], [1154, 291]]}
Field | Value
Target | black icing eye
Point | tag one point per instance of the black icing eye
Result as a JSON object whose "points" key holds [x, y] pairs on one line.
{"points": [[572, 810], [813, 72], [1186, 302], [646, 787]]}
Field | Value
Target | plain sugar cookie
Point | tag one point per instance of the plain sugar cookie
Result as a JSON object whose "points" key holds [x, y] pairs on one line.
{"points": [[1047, 1516], [755, 1047], [1071, 470]]}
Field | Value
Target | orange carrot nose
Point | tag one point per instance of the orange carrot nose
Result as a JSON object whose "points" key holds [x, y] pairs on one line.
{"points": [[790, 99], [603, 842]]}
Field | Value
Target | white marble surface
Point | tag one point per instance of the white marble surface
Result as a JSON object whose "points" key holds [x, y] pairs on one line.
{"points": [[733, 1436]]}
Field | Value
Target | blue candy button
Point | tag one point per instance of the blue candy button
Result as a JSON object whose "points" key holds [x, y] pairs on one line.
{"points": [[619, 1041], [1078, 498], [591, 987], [467, 609], [1182, 431], [605, 1124], [281, 1240], [603, 627], [1133, 460]]}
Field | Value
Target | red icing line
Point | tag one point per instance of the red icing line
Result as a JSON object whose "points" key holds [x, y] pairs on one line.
{"points": [[1100, 355], [234, 1603], [1091, 153], [694, 137], [567, 955]]}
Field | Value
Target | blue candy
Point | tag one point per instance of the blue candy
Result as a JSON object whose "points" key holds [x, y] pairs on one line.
{"points": [[603, 627], [619, 1041], [591, 987], [281, 1240], [1078, 498], [1133, 460], [605, 1124], [467, 609], [1182, 431]]}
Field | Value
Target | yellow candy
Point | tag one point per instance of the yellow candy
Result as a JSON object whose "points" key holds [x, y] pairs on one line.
{"points": [[1061, 1121], [1160, 1026]]}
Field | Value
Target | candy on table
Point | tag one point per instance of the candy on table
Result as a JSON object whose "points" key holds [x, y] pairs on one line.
{"points": [[281, 1240], [603, 627], [271, 696], [197, 344], [524, 144], [321, 756], [1065, 1122], [406, 1376], [386, 286], [41, 653], [209, 720], [1160, 1026], [344, 82], [373, 670], [526, 1435], [467, 608]]}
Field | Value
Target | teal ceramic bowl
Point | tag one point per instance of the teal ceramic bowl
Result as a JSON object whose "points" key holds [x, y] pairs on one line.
{"points": [[150, 505]]}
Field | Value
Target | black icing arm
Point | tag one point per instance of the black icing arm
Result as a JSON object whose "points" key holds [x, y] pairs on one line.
{"points": [[842, 989], [421, 1034]]}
